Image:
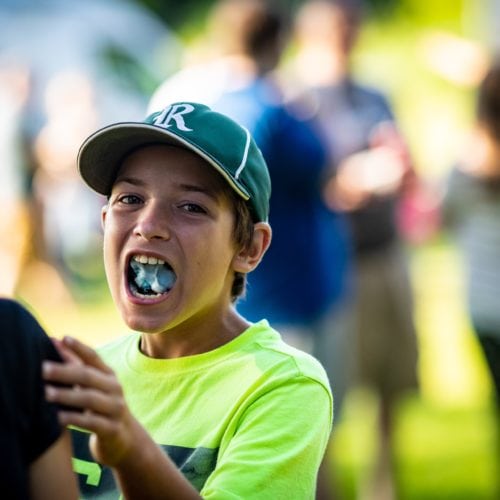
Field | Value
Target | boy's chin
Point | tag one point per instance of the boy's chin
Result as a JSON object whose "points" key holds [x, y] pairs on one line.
{"points": [[144, 325]]}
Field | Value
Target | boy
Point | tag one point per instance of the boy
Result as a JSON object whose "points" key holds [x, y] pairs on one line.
{"points": [[212, 406]]}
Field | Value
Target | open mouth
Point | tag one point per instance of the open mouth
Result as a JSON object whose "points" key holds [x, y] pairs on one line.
{"points": [[149, 277]]}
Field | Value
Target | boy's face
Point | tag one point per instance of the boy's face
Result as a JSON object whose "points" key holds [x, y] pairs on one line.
{"points": [[168, 240]]}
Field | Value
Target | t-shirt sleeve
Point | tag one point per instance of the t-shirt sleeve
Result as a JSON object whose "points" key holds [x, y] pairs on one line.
{"points": [[278, 445], [39, 425]]}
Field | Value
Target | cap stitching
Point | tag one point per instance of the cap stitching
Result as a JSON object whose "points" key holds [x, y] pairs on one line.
{"points": [[245, 155]]}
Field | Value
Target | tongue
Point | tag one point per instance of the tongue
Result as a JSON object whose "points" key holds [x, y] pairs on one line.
{"points": [[153, 277], [165, 279]]}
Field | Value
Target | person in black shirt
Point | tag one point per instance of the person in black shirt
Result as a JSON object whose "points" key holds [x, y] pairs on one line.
{"points": [[35, 451]]}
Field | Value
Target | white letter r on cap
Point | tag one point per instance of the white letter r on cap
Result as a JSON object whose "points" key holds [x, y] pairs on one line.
{"points": [[174, 113]]}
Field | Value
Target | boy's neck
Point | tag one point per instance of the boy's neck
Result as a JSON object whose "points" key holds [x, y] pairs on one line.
{"points": [[193, 337]]}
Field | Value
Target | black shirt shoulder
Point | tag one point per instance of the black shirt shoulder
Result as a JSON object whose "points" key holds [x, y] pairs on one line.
{"points": [[28, 423]]}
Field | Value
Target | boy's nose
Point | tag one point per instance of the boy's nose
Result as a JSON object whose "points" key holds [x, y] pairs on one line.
{"points": [[153, 224]]}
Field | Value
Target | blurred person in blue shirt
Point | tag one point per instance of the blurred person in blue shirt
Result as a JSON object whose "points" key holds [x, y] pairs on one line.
{"points": [[304, 274], [371, 170]]}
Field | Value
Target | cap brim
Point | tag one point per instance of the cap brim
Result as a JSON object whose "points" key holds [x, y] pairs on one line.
{"points": [[102, 153]]}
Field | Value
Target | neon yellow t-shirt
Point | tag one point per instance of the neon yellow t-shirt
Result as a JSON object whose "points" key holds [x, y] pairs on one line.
{"points": [[250, 419]]}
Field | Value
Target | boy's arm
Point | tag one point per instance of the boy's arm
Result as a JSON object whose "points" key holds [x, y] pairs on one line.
{"points": [[148, 473], [142, 469]]}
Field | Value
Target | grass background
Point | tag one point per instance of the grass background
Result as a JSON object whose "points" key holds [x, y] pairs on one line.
{"points": [[445, 439]]}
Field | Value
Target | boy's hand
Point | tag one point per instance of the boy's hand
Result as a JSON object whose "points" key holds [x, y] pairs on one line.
{"points": [[92, 388]]}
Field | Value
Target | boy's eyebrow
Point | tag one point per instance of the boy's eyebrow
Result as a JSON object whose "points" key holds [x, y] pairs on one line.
{"points": [[212, 193], [130, 180]]}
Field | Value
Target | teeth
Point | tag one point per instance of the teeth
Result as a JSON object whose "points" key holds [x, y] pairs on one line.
{"points": [[144, 259], [143, 296], [149, 277]]}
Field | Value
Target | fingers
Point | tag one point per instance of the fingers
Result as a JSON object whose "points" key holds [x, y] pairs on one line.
{"points": [[90, 421], [79, 374], [84, 353], [89, 400], [83, 382], [90, 397], [67, 355]]}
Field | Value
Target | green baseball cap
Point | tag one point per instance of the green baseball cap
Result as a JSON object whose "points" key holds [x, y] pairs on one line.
{"points": [[223, 143]]}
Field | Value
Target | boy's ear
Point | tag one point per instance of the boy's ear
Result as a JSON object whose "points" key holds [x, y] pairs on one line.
{"points": [[247, 259], [104, 212]]}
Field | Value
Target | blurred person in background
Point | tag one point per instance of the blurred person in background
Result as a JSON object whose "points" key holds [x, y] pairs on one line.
{"points": [[471, 211], [68, 236], [35, 457], [304, 274], [372, 169], [77, 59]]}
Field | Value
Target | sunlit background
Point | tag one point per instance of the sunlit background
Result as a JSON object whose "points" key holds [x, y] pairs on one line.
{"points": [[67, 67]]}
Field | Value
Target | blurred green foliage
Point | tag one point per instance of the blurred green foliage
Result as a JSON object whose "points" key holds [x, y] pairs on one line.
{"points": [[177, 14], [181, 16], [442, 453]]}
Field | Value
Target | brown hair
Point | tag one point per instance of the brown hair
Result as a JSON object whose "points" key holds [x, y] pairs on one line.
{"points": [[243, 236]]}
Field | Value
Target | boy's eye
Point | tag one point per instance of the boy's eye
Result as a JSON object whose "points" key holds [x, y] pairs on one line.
{"points": [[129, 199], [193, 207]]}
